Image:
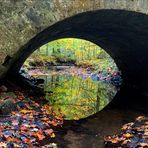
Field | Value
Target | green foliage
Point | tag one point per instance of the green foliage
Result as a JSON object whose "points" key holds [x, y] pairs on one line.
{"points": [[73, 95], [80, 52]]}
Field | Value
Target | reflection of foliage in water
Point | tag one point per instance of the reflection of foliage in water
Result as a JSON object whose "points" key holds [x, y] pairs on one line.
{"points": [[77, 97]]}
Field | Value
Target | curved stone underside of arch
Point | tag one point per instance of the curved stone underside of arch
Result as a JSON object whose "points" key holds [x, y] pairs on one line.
{"points": [[22, 20], [123, 34]]}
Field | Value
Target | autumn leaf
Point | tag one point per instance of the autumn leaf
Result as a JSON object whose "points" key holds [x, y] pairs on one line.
{"points": [[54, 123], [127, 126], [25, 111], [140, 118], [28, 141], [46, 124], [52, 135], [125, 142], [27, 106], [48, 132], [2, 144], [34, 129], [145, 136], [15, 122], [114, 141], [7, 138], [128, 135], [32, 125], [27, 127], [144, 144], [40, 136], [45, 119], [23, 129], [16, 140]]}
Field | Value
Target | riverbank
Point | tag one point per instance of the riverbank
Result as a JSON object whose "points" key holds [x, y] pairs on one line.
{"points": [[133, 135], [26, 121], [88, 132], [112, 77]]}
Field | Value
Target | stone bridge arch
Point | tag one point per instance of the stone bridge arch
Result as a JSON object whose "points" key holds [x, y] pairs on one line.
{"points": [[122, 34]]}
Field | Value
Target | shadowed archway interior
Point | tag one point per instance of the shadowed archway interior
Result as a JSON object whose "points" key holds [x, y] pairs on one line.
{"points": [[122, 34]]}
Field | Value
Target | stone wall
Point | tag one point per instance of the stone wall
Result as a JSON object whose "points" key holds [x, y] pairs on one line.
{"points": [[21, 20]]}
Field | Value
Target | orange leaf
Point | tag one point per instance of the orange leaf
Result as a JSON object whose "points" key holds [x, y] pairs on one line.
{"points": [[40, 136], [128, 135], [144, 144], [9, 139], [25, 111], [114, 141], [27, 140], [45, 119], [54, 123]]}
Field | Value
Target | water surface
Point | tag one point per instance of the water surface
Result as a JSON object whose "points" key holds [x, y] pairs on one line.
{"points": [[75, 93]]}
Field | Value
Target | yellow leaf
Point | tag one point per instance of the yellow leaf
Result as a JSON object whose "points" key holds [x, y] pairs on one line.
{"points": [[52, 135], [25, 111], [128, 135]]}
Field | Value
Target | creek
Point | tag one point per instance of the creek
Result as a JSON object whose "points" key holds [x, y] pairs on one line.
{"points": [[75, 92]]}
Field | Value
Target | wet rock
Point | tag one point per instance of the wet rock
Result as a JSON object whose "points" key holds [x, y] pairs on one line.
{"points": [[7, 95], [6, 106], [24, 73], [39, 81], [3, 88]]}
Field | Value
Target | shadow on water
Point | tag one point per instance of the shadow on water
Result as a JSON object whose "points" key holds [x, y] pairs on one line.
{"points": [[89, 132]]}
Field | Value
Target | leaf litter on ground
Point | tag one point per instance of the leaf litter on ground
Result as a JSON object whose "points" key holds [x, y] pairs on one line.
{"points": [[133, 135], [29, 125]]}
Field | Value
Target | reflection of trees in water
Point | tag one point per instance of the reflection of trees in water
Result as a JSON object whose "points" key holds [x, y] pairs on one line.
{"points": [[98, 100], [77, 96]]}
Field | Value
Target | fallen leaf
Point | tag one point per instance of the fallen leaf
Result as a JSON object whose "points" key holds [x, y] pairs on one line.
{"points": [[48, 132], [52, 135], [45, 119], [54, 123], [15, 123], [128, 135], [25, 111], [40, 136], [2, 144], [144, 144]]}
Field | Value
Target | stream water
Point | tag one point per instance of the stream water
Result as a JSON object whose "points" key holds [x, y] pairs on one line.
{"points": [[75, 92], [90, 132]]}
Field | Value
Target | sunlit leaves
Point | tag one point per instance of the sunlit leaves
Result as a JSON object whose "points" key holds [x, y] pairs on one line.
{"points": [[81, 52]]}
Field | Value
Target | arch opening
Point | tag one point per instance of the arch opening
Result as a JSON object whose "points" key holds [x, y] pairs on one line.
{"points": [[77, 76]]}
